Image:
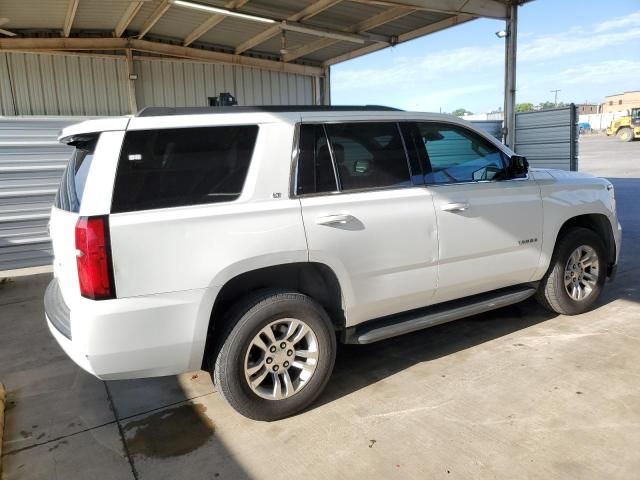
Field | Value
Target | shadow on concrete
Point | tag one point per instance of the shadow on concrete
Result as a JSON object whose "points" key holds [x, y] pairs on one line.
{"points": [[61, 419], [358, 366]]}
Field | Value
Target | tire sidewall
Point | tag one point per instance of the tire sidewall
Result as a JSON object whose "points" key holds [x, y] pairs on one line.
{"points": [[230, 362]]}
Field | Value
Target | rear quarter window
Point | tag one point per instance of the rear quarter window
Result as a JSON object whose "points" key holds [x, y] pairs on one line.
{"points": [[74, 178], [182, 166]]}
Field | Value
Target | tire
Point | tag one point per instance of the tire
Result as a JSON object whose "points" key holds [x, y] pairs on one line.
{"points": [[552, 292], [239, 354], [625, 134]]}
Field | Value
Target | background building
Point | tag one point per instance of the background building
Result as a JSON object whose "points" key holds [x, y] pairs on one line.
{"points": [[588, 108], [621, 102]]}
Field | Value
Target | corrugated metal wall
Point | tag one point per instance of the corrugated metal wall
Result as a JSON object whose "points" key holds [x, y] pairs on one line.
{"points": [[549, 138], [179, 83], [48, 84], [31, 163], [52, 84], [31, 159]]}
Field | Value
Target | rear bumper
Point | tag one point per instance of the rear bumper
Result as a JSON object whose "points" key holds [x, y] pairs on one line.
{"points": [[134, 337], [56, 309]]}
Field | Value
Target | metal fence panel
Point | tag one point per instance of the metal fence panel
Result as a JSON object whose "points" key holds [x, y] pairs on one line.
{"points": [[31, 164], [549, 138]]}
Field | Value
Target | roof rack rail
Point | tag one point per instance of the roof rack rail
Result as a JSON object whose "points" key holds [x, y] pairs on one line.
{"points": [[164, 111]]}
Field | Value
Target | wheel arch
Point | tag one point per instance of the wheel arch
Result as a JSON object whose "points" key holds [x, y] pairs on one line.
{"points": [[598, 223], [317, 280]]}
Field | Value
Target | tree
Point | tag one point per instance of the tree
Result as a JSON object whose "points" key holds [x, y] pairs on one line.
{"points": [[548, 105], [524, 107], [461, 112]]}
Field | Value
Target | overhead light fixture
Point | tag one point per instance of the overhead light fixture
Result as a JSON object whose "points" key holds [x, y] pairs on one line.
{"points": [[502, 34], [221, 11]]}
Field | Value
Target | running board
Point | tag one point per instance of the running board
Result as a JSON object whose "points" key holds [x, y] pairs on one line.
{"points": [[392, 326]]}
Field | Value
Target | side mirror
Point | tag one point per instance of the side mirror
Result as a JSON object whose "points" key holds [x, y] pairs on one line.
{"points": [[519, 165]]}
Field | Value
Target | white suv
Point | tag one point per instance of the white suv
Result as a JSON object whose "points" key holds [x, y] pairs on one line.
{"points": [[248, 241]]}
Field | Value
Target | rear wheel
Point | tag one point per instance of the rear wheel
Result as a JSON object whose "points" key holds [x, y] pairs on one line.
{"points": [[576, 275], [625, 134], [277, 356]]}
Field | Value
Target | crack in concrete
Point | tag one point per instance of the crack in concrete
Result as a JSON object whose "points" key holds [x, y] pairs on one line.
{"points": [[125, 447]]}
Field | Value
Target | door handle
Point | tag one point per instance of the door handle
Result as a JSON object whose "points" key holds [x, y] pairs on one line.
{"points": [[338, 218], [455, 207]]}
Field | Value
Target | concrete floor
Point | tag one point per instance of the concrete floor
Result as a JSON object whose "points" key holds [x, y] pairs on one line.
{"points": [[516, 393]]}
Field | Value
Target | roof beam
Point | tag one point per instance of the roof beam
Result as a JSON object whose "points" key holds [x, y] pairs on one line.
{"points": [[308, 48], [211, 56], [211, 22], [45, 45], [368, 24], [258, 39], [8, 33], [128, 15], [61, 43], [479, 8], [313, 9], [340, 35], [418, 32], [155, 16], [68, 19]]}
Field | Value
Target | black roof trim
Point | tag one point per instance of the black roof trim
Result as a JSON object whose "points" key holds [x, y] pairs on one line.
{"points": [[163, 111]]}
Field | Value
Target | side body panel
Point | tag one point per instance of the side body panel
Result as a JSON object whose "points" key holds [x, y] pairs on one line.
{"points": [[385, 257], [566, 195], [493, 243]]}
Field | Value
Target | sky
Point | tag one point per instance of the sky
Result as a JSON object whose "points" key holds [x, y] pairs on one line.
{"points": [[585, 48]]}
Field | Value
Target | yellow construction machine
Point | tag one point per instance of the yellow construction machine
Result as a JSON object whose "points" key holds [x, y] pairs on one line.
{"points": [[626, 128]]}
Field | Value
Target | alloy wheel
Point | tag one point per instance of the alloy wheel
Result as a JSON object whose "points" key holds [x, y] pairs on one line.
{"points": [[281, 359], [581, 272]]}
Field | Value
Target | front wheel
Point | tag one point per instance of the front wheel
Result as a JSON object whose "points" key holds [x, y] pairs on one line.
{"points": [[576, 275], [277, 357], [625, 134]]}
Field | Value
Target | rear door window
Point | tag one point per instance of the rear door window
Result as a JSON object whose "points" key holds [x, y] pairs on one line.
{"points": [[182, 166], [74, 178], [368, 155]]}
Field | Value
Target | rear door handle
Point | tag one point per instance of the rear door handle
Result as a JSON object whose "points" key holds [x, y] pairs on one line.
{"points": [[338, 218], [455, 207]]}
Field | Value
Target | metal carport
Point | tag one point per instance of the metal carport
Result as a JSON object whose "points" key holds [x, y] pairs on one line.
{"points": [[120, 37], [79, 58]]}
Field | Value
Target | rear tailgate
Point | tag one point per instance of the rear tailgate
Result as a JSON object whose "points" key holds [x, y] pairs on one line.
{"points": [[85, 190], [62, 228]]}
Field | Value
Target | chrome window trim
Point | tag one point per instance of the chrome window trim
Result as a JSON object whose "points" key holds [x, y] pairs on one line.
{"points": [[333, 160], [474, 182]]}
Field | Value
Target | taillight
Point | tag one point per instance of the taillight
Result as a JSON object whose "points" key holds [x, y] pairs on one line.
{"points": [[93, 257]]}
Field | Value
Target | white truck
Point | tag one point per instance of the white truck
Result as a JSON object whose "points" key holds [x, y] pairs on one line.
{"points": [[250, 241]]}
